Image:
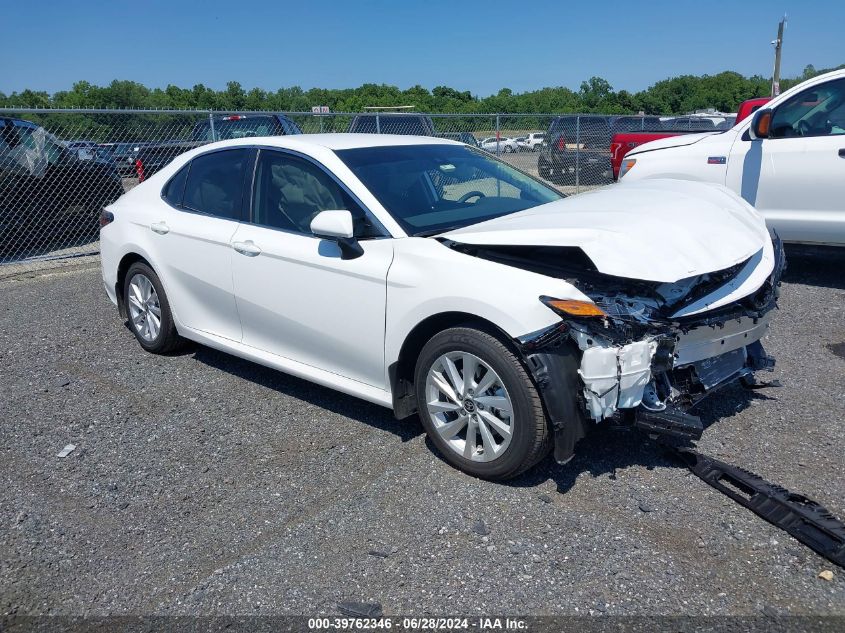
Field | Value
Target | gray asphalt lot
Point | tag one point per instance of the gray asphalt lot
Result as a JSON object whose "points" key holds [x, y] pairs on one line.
{"points": [[204, 484]]}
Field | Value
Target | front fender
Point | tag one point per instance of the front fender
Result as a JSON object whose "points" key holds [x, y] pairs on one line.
{"points": [[427, 279]]}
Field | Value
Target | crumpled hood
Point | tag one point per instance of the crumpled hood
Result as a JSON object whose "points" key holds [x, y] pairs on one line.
{"points": [[656, 229], [680, 140]]}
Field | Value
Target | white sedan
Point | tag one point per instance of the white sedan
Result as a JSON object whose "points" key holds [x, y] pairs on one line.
{"points": [[431, 278], [502, 145]]}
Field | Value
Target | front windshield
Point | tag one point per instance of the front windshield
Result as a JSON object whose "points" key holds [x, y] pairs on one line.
{"points": [[429, 189]]}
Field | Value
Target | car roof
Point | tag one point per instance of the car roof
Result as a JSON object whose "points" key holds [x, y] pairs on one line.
{"points": [[333, 141]]}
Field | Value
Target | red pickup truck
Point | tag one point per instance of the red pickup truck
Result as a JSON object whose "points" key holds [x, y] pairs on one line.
{"points": [[624, 142]]}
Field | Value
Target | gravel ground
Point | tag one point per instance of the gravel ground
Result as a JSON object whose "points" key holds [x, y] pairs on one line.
{"points": [[204, 484]]}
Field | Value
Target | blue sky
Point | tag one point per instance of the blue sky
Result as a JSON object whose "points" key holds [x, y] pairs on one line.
{"points": [[469, 45]]}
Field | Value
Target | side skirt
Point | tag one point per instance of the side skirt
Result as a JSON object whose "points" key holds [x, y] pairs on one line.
{"points": [[292, 367]]}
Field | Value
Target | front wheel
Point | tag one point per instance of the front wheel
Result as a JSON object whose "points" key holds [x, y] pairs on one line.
{"points": [[479, 406]]}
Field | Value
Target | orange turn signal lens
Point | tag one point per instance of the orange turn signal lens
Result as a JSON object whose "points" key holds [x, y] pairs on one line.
{"points": [[576, 308], [626, 166]]}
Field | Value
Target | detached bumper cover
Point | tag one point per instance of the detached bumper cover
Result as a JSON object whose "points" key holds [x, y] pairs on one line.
{"points": [[807, 521]]}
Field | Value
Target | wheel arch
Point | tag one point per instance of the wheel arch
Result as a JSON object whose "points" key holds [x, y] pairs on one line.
{"points": [[401, 371], [122, 268]]}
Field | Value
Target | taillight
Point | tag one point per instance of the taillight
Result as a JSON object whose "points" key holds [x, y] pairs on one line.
{"points": [[234, 117], [106, 217], [561, 143], [139, 169]]}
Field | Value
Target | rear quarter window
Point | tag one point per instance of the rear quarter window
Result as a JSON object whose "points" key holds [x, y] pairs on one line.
{"points": [[215, 183], [175, 187]]}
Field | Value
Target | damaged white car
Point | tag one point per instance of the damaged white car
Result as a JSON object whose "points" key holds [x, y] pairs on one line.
{"points": [[427, 276]]}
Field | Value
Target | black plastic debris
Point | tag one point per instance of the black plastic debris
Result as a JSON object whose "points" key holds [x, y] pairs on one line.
{"points": [[360, 609], [669, 422], [804, 519]]}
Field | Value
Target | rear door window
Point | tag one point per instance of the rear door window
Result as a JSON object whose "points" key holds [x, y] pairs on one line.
{"points": [[215, 183]]}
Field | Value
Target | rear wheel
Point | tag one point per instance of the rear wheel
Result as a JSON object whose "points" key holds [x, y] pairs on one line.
{"points": [[544, 169], [149, 310], [479, 406], [567, 174]]}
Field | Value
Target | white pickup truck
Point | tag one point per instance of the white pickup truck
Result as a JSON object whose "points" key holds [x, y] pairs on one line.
{"points": [[788, 160]]}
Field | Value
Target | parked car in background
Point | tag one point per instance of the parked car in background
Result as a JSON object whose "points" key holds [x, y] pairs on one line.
{"points": [[788, 160], [49, 192], [503, 145], [243, 126], [424, 276], [76, 145], [581, 144], [535, 140], [153, 156], [123, 155], [749, 107], [624, 142], [392, 123], [461, 137], [689, 124]]}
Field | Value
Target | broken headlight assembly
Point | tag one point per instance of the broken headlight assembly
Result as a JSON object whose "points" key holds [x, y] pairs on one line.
{"points": [[573, 307]]}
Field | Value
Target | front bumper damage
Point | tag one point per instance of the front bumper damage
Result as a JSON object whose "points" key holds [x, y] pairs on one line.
{"points": [[651, 375]]}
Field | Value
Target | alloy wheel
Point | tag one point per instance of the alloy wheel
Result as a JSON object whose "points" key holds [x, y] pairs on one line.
{"points": [[469, 406], [144, 307]]}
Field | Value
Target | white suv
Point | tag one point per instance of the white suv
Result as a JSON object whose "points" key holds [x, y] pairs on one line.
{"points": [[535, 140], [788, 160]]}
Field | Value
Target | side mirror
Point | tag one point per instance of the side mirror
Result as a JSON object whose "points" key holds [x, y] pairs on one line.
{"points": [[338, 227], [84, 154], [760, 124]]}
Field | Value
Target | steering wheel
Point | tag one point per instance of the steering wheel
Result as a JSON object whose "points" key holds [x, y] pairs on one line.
{"points": [[471, 194], [803, 127]]}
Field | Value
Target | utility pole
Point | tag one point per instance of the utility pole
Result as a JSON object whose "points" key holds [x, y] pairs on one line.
{"points": [[778, 43]]}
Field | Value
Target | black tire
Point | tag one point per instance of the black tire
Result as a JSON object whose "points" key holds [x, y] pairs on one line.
{"points": [[544, 169], [531, 439], [565, 176], [167, 340]]}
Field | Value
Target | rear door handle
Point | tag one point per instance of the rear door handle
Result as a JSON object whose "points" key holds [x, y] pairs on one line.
{"points": [[247, 248], [160, 227]]}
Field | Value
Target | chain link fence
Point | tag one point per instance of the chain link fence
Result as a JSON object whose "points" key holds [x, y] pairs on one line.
{"points": [[58, 168]]}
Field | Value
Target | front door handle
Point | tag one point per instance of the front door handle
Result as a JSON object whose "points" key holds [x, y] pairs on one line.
{"points": [[160, 227], [247, 248], [842, 153]]}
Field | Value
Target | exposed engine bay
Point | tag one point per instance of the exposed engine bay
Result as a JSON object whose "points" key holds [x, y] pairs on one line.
{"points": [[648, 359]]}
